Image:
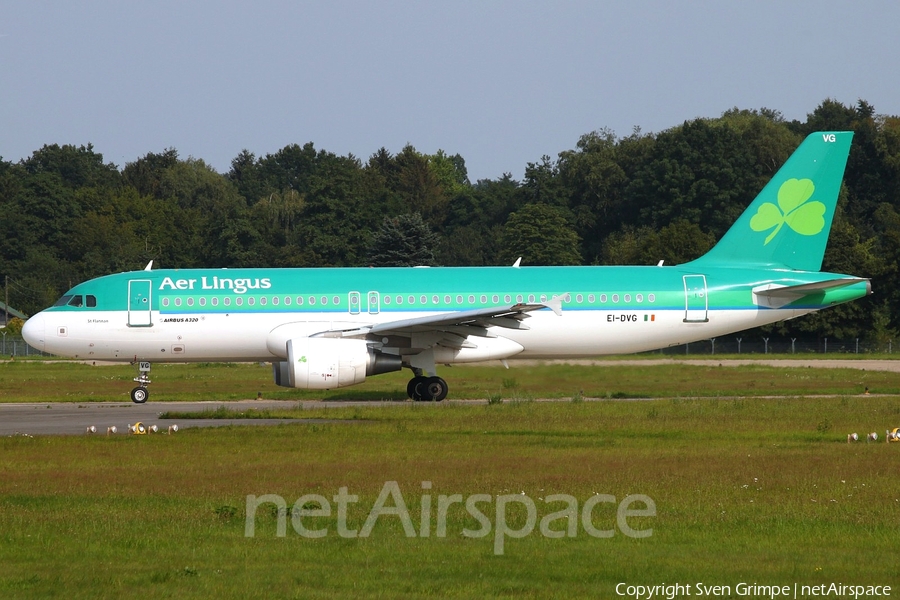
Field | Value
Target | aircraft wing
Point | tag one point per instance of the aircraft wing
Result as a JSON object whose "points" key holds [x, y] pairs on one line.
{"points": [[466, 322], [420, 340]]}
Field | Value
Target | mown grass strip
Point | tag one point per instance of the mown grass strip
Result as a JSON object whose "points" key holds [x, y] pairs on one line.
{"points": [[40, 381]]}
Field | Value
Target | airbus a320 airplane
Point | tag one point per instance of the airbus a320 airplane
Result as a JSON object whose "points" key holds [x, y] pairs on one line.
{"points": [[330, 328]]}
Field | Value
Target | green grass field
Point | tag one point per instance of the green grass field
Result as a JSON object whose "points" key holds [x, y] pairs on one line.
{"points": [[43, 381], [762, 489]]}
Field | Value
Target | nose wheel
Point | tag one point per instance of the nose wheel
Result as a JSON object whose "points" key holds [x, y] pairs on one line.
{"points": [[426, 389], [139, 395]]}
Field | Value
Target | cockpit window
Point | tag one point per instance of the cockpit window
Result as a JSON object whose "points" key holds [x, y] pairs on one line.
{"points": [[63, 301], [77, 301]]}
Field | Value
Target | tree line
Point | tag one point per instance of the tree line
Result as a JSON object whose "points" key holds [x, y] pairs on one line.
{"points": [[68, 216]]}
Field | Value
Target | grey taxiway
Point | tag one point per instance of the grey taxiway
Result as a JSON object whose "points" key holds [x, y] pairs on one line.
{"points": [[61, 418]]}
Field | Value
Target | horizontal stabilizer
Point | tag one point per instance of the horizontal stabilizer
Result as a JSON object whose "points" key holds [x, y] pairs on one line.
{"points": [[775, 296]]}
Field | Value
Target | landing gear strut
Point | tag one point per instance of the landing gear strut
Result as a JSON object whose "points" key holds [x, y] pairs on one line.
{"points": [[140, 394], [428, 389]]}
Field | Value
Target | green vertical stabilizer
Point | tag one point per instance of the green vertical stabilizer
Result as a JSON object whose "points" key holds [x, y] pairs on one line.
{"points": [[787, 225]]}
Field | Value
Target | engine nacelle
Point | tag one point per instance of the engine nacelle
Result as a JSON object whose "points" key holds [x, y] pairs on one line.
{"points": [[329, 363]]}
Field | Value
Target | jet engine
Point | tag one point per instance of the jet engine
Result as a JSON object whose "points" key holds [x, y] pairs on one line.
{"points": [[329, 363]]}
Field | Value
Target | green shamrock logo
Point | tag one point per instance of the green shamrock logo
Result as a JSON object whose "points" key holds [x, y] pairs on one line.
{"points": [[806, 218]]}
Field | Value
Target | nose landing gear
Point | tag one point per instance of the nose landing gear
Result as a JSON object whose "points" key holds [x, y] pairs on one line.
{"points": [[140, 394]]}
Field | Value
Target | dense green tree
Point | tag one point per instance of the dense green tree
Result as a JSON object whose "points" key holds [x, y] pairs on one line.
{"points": [[543, 185], [766, 137], [474, 221], [540, 235], [247, 178], [676, 243], [76, 167], [450, 172], [597, 182], [215, 219], [419, 187], [830, 115], [403, 241], [698, 172], [146, 173]]}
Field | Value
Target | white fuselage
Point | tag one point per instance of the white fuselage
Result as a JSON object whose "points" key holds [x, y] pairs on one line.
{"points": [[259, 337]]}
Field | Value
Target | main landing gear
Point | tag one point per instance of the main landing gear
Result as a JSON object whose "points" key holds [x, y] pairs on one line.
{"points": [[140, 394], [427, 389]]}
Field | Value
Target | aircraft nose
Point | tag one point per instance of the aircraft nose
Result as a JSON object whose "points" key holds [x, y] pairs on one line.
{"points": [[33, 331]]}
